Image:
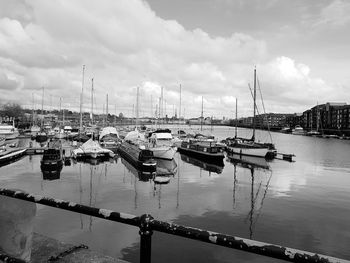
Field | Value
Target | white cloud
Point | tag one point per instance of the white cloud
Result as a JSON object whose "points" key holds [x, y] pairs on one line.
{"points": [[335, 14], [124, 44]]}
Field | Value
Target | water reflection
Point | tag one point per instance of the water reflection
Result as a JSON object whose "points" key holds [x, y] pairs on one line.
{"points": [[253, 164], [211, 167]]}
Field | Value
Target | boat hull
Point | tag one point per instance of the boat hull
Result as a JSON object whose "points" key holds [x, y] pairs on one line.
{"points": [[257, 152]]}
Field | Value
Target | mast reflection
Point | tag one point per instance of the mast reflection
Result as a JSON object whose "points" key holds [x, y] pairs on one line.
{"points": [[253, 164]]}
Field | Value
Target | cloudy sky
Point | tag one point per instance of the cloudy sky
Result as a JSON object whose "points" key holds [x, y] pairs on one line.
{"points": [[210, 47]]}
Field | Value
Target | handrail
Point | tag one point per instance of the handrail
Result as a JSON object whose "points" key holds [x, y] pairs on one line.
{"points": [[147, 225]]}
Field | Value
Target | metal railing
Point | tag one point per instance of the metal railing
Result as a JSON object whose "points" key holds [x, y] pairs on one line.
{"points": [[147, 224]]}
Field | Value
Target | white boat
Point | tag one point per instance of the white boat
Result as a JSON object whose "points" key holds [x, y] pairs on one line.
{"points": [[8, 155], [34, 130], [161, 144], [91, 149], [109, 138], [298, 130], [8, 131]]}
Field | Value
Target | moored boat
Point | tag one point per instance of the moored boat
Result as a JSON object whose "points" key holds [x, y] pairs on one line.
{"points": [[8, 131], [208, 151], [162, 145], [109, 138], [52, 159], [91, 149], [9, 155], [138, 156], [298, 130]]}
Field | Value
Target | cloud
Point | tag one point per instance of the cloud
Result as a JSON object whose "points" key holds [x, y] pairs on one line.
{"points": [[125, 44], [335, 14], [7, 83]]}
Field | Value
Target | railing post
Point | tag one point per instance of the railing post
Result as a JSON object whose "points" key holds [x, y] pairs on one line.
{"points": [[146, 238]]}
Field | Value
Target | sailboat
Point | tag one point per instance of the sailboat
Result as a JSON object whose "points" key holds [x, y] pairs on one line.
{"points": [[244, 146]]}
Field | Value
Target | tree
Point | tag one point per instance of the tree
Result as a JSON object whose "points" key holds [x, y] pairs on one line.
{"points": [[12, 110], [121, 115]]}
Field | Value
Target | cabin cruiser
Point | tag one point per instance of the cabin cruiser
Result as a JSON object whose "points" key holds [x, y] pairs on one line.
{"points": [[8, 131], [298, 130], [109, 138], [161, 144], [91, 149]]}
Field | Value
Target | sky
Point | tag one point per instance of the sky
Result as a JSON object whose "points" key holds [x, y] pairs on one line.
{"points": [[300, 49]]}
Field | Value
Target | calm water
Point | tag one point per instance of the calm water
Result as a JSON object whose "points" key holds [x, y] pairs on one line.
{"points": [[304, 204]]}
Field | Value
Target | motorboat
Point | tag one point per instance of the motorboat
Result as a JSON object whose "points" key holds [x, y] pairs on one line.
{"points": [[298, 130], [8, 131], [91, 149], [162, 145], [109, 138]]}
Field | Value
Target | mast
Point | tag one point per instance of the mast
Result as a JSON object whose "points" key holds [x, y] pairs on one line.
{"points": [[61, 106], [33, 109], [92, 101], [107, 110], [81, 102], [254, 98], [137, 106], [42, 111], [236, 121], [202, 114], [180, 104]]}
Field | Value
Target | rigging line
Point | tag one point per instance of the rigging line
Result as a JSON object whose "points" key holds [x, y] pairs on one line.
{"points": [[263, 104]]}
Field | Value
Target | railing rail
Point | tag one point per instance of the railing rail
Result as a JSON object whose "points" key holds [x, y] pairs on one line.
{"points": [[147, 225]]}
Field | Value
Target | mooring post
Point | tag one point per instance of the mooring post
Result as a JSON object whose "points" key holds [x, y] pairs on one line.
{"points": [[146, 238]]}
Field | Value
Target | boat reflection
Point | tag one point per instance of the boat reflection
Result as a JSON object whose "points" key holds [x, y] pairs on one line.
{"points": [[52, 174], [145, 177], [166, 167], [96, 161], [254, 164], [211, 167]]}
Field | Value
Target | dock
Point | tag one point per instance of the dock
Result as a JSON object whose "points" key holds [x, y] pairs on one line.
{"points": [[45, 249]]}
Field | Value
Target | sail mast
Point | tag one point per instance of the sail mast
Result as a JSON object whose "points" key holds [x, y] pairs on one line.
{"points": [[254, 98], [33, 110], [202, 114], [137, 107], [236, 121], [92, 101], [42, 110], [81, 102]]}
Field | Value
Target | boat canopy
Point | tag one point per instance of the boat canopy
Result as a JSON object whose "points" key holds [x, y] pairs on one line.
{"points": [[109, 131], [135, 136], [167, 136]]}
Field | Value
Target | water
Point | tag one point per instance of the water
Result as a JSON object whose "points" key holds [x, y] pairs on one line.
{"points": [[304, 204]]}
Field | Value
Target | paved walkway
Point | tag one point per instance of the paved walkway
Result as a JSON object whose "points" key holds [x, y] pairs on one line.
{"points": [[46, 249]]}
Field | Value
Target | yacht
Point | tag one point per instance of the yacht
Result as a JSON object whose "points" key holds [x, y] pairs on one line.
{"points": [[162, 145], [109, 138], [298, 130], [8, 131]]}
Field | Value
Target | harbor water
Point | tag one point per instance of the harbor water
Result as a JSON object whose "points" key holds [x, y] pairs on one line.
{"points": [[302, 204]]}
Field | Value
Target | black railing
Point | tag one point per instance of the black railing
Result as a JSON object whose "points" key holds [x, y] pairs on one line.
{"points": [[148, 224]]}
